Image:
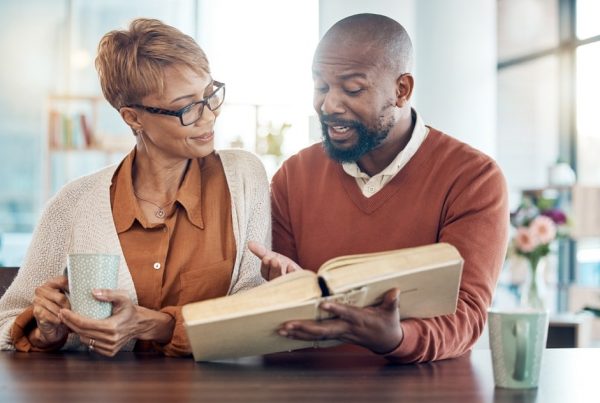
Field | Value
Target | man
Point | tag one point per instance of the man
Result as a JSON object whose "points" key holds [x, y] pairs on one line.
{"points": [[383, 180]]}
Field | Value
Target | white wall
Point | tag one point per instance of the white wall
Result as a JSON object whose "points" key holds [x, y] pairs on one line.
{"points": [[456, 69], [455, 66]]}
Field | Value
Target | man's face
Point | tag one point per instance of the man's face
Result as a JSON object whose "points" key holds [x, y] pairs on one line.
{"points": [[354, 98]]}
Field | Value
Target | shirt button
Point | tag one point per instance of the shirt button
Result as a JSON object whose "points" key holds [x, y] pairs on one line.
{"points": [[157, 266], [371, 189]]}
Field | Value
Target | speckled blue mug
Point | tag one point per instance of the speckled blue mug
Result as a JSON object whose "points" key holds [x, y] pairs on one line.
{"points": [[517, 341], [87, 271]]}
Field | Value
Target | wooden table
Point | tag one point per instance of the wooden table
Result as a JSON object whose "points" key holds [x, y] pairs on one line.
{"points": [[568, 375]]}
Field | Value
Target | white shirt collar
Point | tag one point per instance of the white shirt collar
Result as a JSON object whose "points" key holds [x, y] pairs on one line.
{"points": [[417, 137]]}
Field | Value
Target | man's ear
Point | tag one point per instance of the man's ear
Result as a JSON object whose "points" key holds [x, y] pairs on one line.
{"points": [[404, 88], [131, 117]]}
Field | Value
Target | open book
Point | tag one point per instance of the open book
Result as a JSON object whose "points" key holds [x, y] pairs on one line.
{"points": [[246, 324]]}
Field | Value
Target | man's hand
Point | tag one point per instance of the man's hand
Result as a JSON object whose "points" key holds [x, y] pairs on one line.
{"points": [[272, 264], [376, 328], [127, 322], [49, 299]]}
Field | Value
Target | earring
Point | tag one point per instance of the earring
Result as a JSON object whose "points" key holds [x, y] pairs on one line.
{"points": [[138, 132]]}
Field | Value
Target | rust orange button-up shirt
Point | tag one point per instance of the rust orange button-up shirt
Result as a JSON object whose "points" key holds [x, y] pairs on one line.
{"points": [[188, 258]]}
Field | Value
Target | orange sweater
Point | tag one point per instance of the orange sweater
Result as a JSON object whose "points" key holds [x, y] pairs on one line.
{"points": [[448, 192]]}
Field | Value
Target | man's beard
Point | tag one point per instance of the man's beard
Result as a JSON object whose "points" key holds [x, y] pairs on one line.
{"points": [[367, 139]]}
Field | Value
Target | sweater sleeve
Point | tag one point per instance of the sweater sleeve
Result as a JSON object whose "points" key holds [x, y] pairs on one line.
{"points": [[283, 238], [250, 195], [45, 259], [475, 221]]}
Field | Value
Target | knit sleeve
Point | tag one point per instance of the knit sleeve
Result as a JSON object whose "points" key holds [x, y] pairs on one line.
{"points": [[475, 221], [45, 259], [250, 196]]}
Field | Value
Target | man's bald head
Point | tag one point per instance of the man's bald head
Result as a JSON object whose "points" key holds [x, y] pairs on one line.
{"points": [[367, 32]]}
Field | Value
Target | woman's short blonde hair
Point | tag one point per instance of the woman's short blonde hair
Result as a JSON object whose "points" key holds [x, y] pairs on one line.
{"points": [[131, 63]]}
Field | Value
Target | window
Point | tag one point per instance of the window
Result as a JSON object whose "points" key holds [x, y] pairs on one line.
{"points": [[548, 109], [528, 129], [587, 18], [540, 32], [588, 118]]}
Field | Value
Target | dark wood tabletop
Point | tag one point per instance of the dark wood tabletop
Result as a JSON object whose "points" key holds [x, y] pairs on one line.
{"points": [[568, 375]]}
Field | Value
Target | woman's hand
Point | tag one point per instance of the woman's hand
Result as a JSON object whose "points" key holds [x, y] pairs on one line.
{"points": [[128, 321], [272, 264], [48, 300]]}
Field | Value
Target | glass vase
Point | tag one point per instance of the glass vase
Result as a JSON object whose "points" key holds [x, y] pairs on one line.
{"points": [[533, 292]]}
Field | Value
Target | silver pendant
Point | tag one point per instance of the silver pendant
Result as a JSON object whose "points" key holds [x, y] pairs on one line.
{"points": [[160, 213]]}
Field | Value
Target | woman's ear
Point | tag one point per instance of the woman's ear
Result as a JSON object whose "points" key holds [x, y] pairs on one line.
{"points": [[131, 117], [404, 88]]}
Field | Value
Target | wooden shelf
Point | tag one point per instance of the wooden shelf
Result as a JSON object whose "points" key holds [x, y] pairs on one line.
{"points": [[74, 144]]}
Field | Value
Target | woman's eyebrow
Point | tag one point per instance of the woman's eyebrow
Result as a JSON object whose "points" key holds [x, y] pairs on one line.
{"points": [[182, 97], [192, 95]]}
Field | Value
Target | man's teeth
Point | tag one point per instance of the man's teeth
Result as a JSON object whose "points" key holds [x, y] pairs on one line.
{"points": [[341, 129]]}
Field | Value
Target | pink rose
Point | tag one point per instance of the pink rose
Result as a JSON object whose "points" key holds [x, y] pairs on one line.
{"points": [[525, 240], [543, 228]]}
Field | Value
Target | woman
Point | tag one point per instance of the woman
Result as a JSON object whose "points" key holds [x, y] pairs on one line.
{"points": [[178, 213]]}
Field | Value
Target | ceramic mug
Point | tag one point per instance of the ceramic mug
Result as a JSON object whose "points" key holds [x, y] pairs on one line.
{"points": [[517, 340], [87, 271]]}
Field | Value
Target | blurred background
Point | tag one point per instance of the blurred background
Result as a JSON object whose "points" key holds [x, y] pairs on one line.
{"points": [[517, 79]]}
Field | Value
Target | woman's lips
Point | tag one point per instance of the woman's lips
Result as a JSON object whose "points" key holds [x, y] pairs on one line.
{"points": [[204, 138]]}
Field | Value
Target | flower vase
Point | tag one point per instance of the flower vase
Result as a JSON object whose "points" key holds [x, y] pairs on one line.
{"points": [[533, 293]]}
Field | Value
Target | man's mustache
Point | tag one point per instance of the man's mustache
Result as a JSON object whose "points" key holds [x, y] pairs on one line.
{"points": [[332, 121]]}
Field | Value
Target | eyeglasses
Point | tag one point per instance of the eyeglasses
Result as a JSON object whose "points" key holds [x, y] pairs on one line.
{"points": [[191, 113]]}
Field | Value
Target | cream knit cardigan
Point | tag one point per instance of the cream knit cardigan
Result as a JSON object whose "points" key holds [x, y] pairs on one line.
{"points": [[79, 220]]}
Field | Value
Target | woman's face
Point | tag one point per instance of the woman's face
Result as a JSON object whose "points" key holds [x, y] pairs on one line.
{"points": [[164, 134]]}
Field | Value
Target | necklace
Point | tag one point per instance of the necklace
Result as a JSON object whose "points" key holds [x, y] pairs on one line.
{"points": [[160, 212]]}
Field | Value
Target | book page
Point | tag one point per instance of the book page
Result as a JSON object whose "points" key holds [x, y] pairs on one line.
{"points": [[354, 271], [428, 279], [283, 291], [342, 261]]}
